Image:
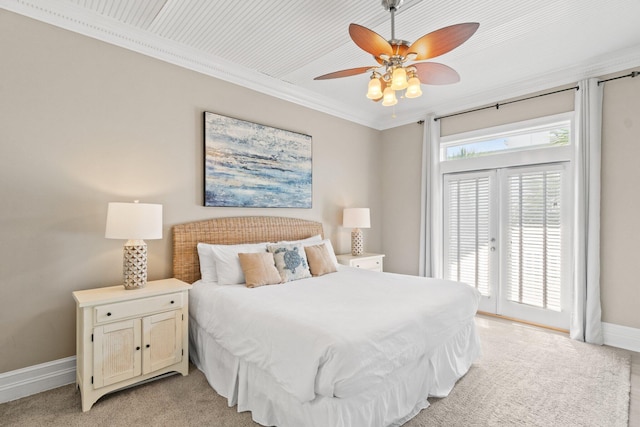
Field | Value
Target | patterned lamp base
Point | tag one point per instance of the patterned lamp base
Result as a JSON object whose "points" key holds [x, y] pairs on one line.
{"points": [[135, 264], [357, 244]]}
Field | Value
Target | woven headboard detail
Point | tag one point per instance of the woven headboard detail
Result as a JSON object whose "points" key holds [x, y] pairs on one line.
{"points": [[231, 231]]}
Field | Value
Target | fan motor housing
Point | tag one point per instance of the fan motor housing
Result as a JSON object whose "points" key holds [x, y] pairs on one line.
{"points": [[400, 49], [392, 4]]}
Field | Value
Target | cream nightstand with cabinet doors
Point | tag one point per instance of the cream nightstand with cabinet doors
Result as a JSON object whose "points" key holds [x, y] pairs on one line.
{"points": [[366, 261], [124, 336]]}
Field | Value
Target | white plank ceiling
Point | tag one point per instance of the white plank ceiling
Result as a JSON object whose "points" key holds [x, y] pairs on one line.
{"points": [[278, 46]]}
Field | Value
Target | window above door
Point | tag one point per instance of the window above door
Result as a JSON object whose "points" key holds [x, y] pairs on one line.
{"points": [[534, 141]]}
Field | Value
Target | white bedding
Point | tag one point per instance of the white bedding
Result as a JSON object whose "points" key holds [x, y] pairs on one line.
{"points": [[336, 335]]}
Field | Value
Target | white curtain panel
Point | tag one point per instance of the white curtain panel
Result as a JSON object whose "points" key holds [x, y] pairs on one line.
{"points": [[430, 263], [586, 322]]}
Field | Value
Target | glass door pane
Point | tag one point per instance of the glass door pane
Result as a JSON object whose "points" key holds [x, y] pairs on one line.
{"points": [[536, 230], [469, 237]]}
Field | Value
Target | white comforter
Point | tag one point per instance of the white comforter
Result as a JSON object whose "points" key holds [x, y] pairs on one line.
{"points": [[334, 335]]}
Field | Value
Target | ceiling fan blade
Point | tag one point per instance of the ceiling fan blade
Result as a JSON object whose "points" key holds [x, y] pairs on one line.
{"points": [[369, 41], [443, 40], [344, 73], [433, 73]]}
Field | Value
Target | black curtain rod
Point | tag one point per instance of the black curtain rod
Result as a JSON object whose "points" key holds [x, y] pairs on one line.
{"points": [[631, 74], [500, 104]]}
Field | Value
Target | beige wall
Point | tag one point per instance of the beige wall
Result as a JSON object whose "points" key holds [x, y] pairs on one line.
{"points": [[83, 123], [620, 198], [401, 169], [620, 195], [536, 107]]}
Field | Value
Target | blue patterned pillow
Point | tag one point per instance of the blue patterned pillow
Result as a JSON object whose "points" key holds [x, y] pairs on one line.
{"points": [[291, 261]]}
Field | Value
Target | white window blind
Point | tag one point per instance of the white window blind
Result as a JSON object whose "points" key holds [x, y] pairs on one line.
{"points": [[467, 213], [534, 252]]}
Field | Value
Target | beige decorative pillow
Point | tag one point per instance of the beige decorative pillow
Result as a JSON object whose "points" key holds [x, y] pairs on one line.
{"points": [[259, 269], [320, 261]]}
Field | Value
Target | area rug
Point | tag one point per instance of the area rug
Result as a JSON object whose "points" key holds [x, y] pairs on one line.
{"points": [[532, 377], [525, 377]]}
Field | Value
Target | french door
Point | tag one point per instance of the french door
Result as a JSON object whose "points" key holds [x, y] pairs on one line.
{"points": [[507, 233]]}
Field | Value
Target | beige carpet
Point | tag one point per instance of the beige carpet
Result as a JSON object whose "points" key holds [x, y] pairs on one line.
{"points": [[526, 377]]}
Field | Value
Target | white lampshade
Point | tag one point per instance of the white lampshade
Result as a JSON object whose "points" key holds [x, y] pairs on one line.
{"points": [[134, 221], [356, 218], [389, 97], [413, 91], [374, 89], [399, 79]]}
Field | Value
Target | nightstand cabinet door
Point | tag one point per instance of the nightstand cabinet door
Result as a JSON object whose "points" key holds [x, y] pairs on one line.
{"points": [[116, 352], [162, 341]]}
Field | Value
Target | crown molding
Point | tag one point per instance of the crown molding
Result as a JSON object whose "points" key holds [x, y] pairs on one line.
{"points": [[79, 20], [612, 63], [615, 62]]}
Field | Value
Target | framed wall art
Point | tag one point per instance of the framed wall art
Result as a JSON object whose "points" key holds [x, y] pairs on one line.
{"points": [[251, 165]]}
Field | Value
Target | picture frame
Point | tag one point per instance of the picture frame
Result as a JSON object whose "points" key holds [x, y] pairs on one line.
{"points": [[251, 165]]}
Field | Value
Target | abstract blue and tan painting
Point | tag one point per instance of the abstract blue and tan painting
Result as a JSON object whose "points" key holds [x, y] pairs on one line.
{"points": [[255, 166]]}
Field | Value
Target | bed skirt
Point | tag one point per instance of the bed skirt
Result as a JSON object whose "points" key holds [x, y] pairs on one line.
{"points": [[395, 401]]}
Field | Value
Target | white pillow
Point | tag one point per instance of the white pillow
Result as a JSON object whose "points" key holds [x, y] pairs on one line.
{"points": [[313, 239], [228, 262], [208, 270]]}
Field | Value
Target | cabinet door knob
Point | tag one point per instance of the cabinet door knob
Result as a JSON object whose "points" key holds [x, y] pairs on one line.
{"points": [[148, 345], [138, 348], [109, 314], [172, 301]]}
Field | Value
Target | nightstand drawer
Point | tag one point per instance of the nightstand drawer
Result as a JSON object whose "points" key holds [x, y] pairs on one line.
{"points": [[123, 310], [368, 264], [366, 261]]}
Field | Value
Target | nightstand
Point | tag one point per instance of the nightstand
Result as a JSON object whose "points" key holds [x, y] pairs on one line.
{"points": [[366, 261], [124, 337]]}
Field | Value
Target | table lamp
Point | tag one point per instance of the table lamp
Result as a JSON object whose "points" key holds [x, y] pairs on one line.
{"points": [[134, 222], [356, 218]]}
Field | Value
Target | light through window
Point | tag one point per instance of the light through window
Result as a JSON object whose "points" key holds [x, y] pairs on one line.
{"points": [[549, 135]]}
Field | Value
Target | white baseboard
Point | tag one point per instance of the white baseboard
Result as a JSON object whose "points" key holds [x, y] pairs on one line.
{"points": [[35, 379], [621, 336], [46, 376]]}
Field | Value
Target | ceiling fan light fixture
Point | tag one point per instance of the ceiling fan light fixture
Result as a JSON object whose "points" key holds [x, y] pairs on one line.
{"points": [[413, 90], [375, 88], [399, 79], [389, 97], [398, 61]]}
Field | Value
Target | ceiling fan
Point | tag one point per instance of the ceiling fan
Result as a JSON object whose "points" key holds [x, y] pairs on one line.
{"points": [[397, 58]]}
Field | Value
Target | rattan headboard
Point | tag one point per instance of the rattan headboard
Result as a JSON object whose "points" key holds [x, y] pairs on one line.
{"points": [[231, 231]]}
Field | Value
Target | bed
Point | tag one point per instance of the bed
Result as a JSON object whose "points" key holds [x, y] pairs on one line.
{"points": [[350, 348]]}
